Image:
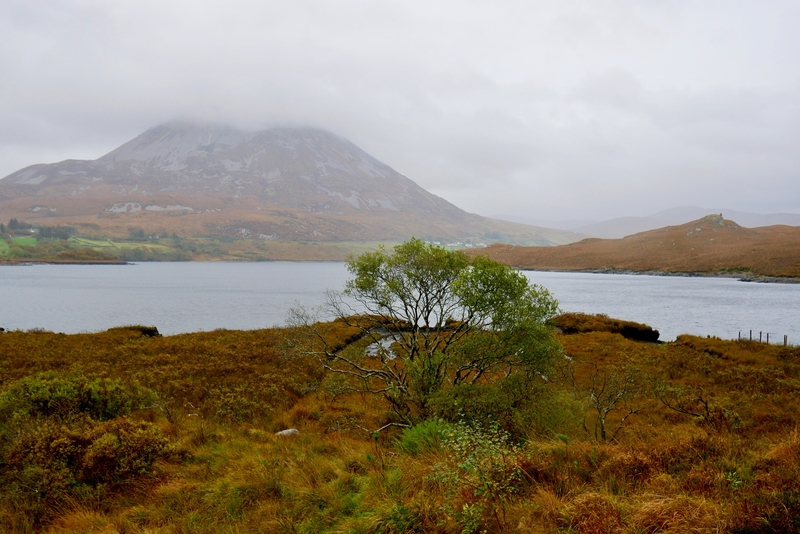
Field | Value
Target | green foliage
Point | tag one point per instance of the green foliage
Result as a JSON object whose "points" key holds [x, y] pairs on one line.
{"points": [[84, 452], [450, 322], [152, 253], [55, 232], [400, 520], [481, 473], [65, 437], [85, 254], [62, 396], [426, 437], [520, 406], [484, 404], [137, 234], [50, 463], [53, 250], [14, 224]]}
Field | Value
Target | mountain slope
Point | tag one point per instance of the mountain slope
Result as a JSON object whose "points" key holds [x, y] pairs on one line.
{"points": [[620, 227], [283, 183], [708, 245], [625, 226]]}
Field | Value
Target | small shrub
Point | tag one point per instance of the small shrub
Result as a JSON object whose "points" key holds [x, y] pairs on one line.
{"points": [[65, 438], [514, 403], [422, 438], [54, 395], [399, 520], [480, 474], [122, 449]]}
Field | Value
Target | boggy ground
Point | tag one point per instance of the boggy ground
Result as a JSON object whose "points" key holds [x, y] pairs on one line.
{"points": [[121, 432]]}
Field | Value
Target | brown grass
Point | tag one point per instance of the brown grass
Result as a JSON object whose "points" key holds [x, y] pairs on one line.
{"points": [[284, 227], [227, 392], [707, 246]]}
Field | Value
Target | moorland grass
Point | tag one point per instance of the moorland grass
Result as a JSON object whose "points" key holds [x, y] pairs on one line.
{"points": [[705, 439]]}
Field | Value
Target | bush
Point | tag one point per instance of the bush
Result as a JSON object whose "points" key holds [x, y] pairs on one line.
{"points": [[51, 463], [481, 404], [85, 254], [519, 405], [67, 437], [88, 453], [480, 475], [58, 396], [422, 438]]}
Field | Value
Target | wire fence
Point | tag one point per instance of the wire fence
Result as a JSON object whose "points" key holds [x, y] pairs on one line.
{"points": [[763, 337]]}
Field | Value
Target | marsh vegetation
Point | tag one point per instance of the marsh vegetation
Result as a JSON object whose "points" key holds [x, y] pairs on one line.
{"points": [[124, 431]]}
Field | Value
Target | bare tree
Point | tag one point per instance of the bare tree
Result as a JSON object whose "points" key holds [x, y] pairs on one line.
{"points": [[612, 396]]}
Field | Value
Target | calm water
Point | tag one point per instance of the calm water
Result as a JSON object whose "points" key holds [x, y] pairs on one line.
{"points": [[677, 305], [188, 297]]}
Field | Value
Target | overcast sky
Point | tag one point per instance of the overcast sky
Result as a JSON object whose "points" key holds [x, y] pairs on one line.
{"points": [[557, 109]]}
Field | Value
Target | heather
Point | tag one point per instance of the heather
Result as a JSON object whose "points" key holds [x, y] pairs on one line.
{"points": [[121, 431]]}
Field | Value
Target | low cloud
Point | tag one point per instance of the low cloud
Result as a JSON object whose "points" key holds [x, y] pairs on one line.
{"points": [[552, 110]]}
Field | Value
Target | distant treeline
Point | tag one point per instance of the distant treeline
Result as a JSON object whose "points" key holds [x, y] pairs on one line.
{"points": [[45, 232]]}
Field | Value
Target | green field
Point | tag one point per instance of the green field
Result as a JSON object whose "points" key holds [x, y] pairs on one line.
{"points": [[24, 240], [107, 245], [212, 248], [92, 243], [234, 249], [5, 248]]}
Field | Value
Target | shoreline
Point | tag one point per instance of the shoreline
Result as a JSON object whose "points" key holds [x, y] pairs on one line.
{"points": [[740, 276], [32, 261]]}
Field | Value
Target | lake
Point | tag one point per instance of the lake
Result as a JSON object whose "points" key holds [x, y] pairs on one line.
{"points": [[190, 297]]}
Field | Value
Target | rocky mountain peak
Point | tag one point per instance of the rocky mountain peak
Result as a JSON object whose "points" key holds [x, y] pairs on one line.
{"points": [[291, 167], [279, 183]]}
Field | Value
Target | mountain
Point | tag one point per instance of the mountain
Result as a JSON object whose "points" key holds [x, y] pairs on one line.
{"points": [[285, 184], [709, 245], [624, 226], [569, 224]]}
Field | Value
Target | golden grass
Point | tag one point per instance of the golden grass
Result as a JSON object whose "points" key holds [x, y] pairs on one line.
{"points": [[677, 514], [225, 393]]}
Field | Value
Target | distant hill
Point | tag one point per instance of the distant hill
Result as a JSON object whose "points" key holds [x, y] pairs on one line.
{"points": [[281, 184], [708, 245], [623, 226]]}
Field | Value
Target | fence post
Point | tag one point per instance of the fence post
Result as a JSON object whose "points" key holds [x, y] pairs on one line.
{"points": [[785, 339], [759, 336], [751, 335], [767, 338]]}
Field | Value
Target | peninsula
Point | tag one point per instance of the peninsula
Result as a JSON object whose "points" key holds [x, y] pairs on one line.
{"points": [[708, 246]]}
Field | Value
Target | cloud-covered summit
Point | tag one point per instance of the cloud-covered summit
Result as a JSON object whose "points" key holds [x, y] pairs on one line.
{"points": [[320, 186], [590, 109]]}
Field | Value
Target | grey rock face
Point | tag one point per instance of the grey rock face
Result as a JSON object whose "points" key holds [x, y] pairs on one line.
{"points": [[289, 167]]}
